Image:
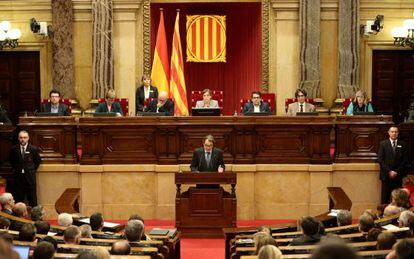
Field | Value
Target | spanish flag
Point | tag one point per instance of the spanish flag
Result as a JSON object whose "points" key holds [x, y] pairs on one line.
{"points": [[160, 74], [178, 90]]}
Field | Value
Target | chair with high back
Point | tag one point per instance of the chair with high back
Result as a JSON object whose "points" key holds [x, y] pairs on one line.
{"points": [[292, 100]]}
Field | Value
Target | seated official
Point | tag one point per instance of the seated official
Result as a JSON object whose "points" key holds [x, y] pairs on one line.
{"points": [[301, 105], [54, 105], [207, 158], [110, 106], [162, 104], [207, 102], [359, 104], [256, 105], [144, 92]]}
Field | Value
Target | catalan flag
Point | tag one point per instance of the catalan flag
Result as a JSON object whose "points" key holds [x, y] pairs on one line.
{"points": [[160, 73], [178, 90], [206, 38]]}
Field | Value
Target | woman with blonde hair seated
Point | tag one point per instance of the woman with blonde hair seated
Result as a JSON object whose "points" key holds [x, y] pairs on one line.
{"points": [[207, 102], [359, 104], [399, 202], [269, 252], [110, 106]]}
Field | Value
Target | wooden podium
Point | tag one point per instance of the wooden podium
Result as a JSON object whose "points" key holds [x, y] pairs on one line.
{"points": [[203, 211]]}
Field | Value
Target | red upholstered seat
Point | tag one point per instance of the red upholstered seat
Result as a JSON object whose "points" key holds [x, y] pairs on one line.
{"points": [[124, 102], [292, 100], [62, 100], [345, 105]]}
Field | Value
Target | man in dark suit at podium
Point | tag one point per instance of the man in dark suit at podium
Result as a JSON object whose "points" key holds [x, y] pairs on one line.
{"points": [[392, 157], [207, 158]]}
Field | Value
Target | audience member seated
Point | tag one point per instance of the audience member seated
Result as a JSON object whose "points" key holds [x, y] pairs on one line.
{"points": [[399, 202], [4, 223], [7, 203], [311, 232], [386, 241], [371, 213], [72, 235], [51, 240], [86, 231], [6, 250], [256, 105], [120, 248], [37, 213], [87, 255], [269, 252], [162, 104], [344, 218], [145, 92], [405, 249], [405, 216], [411, 226], [44, 250], [54, 106], [264, 240], [138, 217], [133, 231], [101, 253], [366, 222], [408, 185], [27, 233], [19, 210], [97, 221], [110, 106], [42, 227], [301, 105], [359, 104], [207, 102], [373, 234], [334, 248], [264, 229], [65, 220]]}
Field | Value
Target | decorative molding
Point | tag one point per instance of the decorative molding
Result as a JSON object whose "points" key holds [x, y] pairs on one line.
{"points": [[146, 33], [265, 45], [293, 5]]}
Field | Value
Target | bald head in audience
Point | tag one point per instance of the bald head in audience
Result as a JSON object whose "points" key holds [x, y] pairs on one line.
{"points": [[134, 230], [20, 210], [65, 220], [72, 235], [7, 203], [121, 248], [86, 231], [344, 218]]}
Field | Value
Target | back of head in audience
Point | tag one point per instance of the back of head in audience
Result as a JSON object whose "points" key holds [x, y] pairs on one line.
{"points": [[87, 255], [42, 227], [333, 248], [134, 230], [373, 234], [4, 223], [86, 231], [266, 240], [391, 210], [344, 218], [400, 198], [269, 252], [120, 248], [72, 235], [366, 222], [20, 210], [405, 249], [51, 240], [65, 219], [136, 217], [96, 221], [310, 226], [27, 233], [386, 240], [404, 218], [43, 250], [37, 213], [101, 253]]}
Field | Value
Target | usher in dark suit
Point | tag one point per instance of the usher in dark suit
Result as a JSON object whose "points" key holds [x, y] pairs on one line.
{"points": [[63, 109], [391, 160], [199, 163], [140, 97], [168, 107], [249, 107], [25, 181]]}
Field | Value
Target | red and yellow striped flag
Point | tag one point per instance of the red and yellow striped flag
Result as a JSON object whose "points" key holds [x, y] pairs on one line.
{"points": [[178, 90], [160, 73], [206, 38]]}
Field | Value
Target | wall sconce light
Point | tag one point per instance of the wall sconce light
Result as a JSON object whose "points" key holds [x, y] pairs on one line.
{"points": [[404, 36], [372, 27], [8, 37]]}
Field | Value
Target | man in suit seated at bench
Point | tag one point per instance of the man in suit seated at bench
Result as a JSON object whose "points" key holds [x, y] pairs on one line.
{"points": [[97, 221], [72, 235], [311, 229], [256, 105], [64, 219], [301, 105], [7, 203], [162, 105], [27, 233], [134, 231], [366, 222], [53, 106], [120, 248]]}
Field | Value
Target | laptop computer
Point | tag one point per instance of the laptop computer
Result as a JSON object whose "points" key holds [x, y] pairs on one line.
{"points": [[104, 114], [364, 113], [307, 113], [23, 251], [205, 111]]}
